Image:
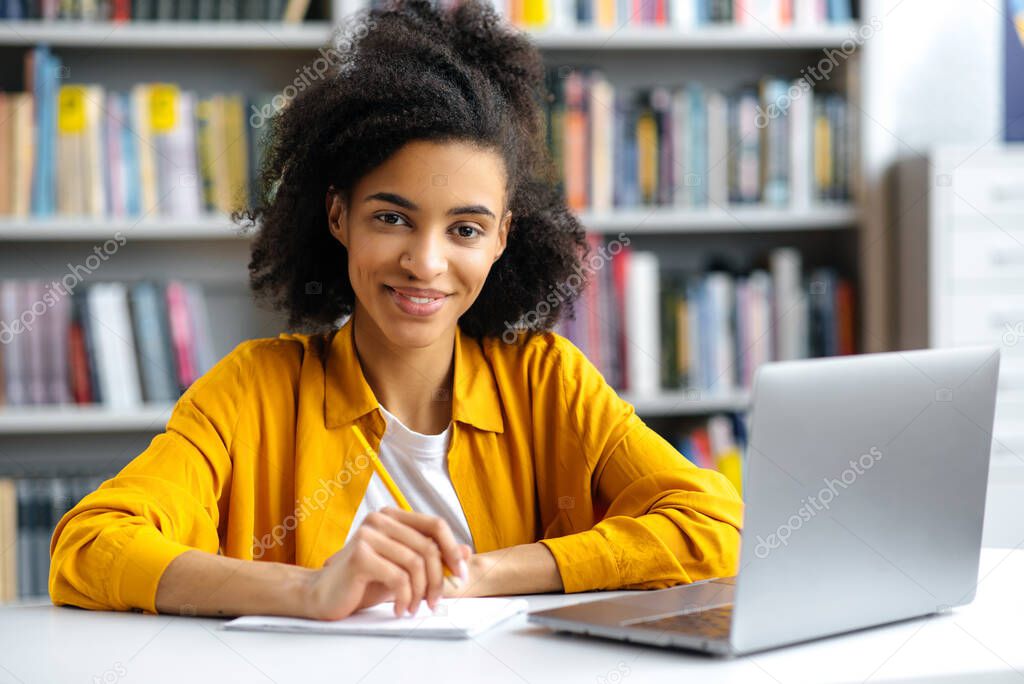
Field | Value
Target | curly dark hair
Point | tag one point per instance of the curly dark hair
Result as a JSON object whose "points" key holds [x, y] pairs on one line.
{"points": [[409, 71]]}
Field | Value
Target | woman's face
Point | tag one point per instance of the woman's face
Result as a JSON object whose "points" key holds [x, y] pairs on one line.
{"points": [[422, 231]]}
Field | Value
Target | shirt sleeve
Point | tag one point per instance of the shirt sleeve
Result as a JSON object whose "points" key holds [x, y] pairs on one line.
{"points": [[665, 520], [110, 550]]}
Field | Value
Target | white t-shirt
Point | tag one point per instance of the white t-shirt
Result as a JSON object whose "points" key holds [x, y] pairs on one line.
{"points": [[418, 464]]}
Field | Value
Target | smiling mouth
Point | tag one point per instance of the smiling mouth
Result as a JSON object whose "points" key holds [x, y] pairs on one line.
{"points": [[418, 299]]}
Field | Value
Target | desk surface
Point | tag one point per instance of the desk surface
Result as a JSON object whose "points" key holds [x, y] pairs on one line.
{"points": [[981, 642]]}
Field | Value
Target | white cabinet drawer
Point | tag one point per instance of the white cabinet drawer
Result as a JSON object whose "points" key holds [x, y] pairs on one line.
{"points": [[1011, 378], [996, 319], [988, 255], [996, 190]]}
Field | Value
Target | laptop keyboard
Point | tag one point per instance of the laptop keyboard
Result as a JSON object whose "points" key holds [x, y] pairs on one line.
{"points": [[713, 623]]}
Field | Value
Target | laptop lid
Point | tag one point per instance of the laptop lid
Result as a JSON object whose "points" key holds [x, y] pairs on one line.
{"points": [[865, 491]]}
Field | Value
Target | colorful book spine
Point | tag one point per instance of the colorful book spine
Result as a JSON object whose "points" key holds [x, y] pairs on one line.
{"points": [[651, 329], [693, 147], [110, 343]]}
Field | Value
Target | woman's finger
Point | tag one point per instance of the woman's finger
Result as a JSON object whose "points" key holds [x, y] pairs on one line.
{"points": [[425, 546], [403, 556], [437, 529], [369, 567]]}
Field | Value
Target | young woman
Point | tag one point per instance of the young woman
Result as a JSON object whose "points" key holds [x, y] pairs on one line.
{"points": [[408, 194]]}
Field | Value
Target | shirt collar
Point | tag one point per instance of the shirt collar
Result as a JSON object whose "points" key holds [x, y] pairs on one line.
{"points": [[348, 396]]}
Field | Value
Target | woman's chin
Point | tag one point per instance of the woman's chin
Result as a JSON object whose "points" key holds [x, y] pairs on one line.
{"points": [[414, 334]]}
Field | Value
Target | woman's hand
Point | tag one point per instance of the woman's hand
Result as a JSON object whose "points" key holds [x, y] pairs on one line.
{"points": [[394, 555], [476, 583]]}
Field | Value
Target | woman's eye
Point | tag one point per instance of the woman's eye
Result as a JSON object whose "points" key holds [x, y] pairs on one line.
{"points": [[391, 213], [473, 231]]}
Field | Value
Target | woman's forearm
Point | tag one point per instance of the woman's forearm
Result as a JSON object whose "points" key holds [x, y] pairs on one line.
{"points": [[201, 583], [522, 569]]}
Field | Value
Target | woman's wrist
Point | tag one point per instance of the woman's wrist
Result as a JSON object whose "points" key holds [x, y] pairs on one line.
{"points": [[522, 569], [300, 589]]}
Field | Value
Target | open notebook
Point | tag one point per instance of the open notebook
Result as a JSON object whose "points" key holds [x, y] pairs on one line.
{"points": [[454, 618]]}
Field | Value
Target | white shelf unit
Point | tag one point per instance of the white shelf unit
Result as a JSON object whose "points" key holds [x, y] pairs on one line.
{"points": [[179, 35], [961, 257], [962, 268], [261, 35], [80, 419], [633, 221], [255, 55], [68, 228]]}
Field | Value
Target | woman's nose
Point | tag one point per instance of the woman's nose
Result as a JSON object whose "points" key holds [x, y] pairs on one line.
{"points": [[425, 257]]}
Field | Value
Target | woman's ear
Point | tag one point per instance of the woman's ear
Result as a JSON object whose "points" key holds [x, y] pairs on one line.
{"points": [[337, 216]]}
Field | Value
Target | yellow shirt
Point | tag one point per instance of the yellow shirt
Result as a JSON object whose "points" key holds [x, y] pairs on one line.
{"points": [[258, 462]]}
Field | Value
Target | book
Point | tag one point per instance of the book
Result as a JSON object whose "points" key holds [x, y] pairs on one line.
{"points": [[693, 147], [72, 149], [30, 509], [115, 343], [656, 326], [1013, 63], [118, 344], [680, 15], [454, 618], [642, 322], [719, 443], [8, 541]]}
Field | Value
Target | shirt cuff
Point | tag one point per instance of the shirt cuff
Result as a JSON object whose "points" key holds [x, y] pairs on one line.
{"points": [[584, 561], [146, 557]]}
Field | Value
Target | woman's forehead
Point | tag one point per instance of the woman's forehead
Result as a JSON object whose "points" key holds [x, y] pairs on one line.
{"points": [[434, 175]]}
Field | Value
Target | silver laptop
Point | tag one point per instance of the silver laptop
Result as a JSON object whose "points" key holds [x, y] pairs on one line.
{"points": [[864, 492]]}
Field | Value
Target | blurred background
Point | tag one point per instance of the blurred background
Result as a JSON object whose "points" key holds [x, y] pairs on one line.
{"points": [[760, 180]]}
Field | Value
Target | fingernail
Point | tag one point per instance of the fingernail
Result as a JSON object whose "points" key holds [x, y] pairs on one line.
{"points": [[463, 570]]}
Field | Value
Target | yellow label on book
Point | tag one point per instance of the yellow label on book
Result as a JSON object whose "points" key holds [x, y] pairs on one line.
{"points": [[535, 12], [71, 109], [730, 464], [163, 107]]}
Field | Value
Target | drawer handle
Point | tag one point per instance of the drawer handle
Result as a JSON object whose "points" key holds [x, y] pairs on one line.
{"points": [[1008, 258], [1008, 193]]}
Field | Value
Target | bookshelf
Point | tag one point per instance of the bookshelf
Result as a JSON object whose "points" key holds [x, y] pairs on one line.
{"points": [[268, 53], [260, 56]]}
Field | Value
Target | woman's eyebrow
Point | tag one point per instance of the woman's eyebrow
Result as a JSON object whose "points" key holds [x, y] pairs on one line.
{"points": [[408, 204]]}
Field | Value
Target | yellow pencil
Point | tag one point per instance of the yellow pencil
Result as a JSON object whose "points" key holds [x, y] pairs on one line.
{"points": [[385, 477]]}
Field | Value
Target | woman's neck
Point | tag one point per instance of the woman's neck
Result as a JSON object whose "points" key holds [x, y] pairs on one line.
{"points": [[413, 384]]}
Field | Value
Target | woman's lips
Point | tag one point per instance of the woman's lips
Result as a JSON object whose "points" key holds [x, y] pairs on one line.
{"points": [[405, 302]]}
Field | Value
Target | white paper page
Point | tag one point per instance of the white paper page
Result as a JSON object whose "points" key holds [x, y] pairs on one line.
{"points": [[454, 618]]}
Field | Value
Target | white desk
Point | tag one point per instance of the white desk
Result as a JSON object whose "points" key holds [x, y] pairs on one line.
{"points": [[982, 642]]}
